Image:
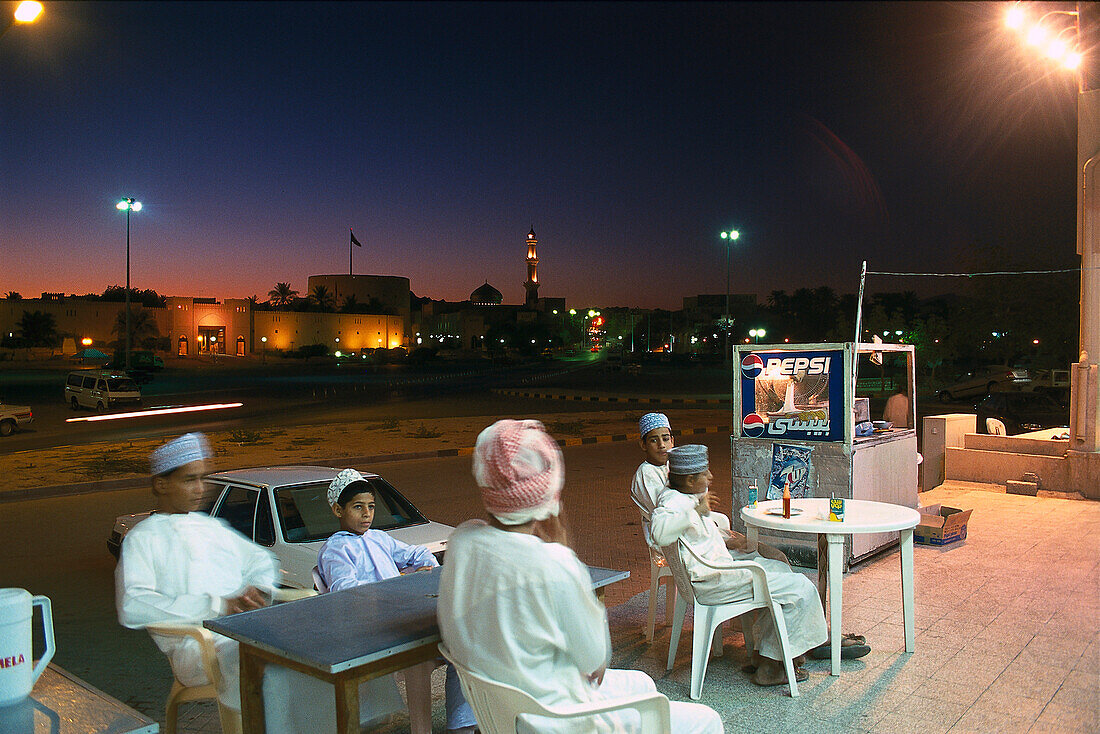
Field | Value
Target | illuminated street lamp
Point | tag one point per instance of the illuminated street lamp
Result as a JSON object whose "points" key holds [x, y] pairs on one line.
{"points": [[729, 237], [263, 358], [1059, 33], [129, 204], [757, 333], [26, 12]]}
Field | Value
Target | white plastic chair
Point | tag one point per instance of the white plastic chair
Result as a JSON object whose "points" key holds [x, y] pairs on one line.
{"points": [[496, 705], [318, 582], [658, 571], [708, 618], [995, 427], [230, 719]]}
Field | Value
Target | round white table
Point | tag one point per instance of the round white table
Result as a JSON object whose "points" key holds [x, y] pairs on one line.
{"points": [[860, 516]]}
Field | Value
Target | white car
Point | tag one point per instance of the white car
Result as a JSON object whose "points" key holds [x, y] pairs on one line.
{"points": [[14, 416], [285, 508], [986, 381]]}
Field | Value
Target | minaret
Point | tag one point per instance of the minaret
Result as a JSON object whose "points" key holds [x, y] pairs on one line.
{"points": [[532, 284]]}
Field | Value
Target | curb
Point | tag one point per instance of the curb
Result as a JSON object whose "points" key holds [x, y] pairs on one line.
{"points": [[612, 398], [117, 485]]}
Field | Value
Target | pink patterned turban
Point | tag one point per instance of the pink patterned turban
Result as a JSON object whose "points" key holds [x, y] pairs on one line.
{"points": [[520, 471]]}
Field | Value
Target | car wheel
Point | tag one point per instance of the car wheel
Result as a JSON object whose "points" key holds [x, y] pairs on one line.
{"points": [[945, 396], [99, 407], [74, 404], [7, 428]]}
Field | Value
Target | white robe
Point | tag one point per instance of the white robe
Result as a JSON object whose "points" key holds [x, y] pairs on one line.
{"points": [[676, 518], [646, 487], [522, 612], [179, 569]]}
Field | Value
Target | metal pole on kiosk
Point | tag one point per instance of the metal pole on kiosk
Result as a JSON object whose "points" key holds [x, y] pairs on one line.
{"points": [[859, 326]]}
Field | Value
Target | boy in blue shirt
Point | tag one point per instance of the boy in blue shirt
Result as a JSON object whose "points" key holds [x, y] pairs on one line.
{"points": [[357, 555]]}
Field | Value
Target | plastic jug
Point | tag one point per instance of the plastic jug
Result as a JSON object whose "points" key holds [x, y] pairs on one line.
{"points": [[18, 672]]}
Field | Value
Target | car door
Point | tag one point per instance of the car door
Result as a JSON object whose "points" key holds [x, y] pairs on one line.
{"points": [[237, 507]]}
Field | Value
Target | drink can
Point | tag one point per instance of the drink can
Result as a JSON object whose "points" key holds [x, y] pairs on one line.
{"points": [[836, 509], [752, 496]]}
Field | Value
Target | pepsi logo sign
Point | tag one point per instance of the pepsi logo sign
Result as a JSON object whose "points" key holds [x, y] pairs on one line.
{"points": [[752, 366], [753, 425]]}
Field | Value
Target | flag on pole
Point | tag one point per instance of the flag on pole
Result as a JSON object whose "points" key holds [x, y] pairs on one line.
{"points": [[354, 241]]}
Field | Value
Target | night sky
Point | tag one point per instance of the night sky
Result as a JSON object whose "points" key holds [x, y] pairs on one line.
{"points": [[921, 137]]}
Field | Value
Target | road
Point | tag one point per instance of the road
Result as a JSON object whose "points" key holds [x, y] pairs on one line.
{"points": [[57, 547]]}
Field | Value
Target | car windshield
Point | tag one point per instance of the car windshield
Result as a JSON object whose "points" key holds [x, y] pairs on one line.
{"points": [[305, 515], [121, 385], [1033, 403]]}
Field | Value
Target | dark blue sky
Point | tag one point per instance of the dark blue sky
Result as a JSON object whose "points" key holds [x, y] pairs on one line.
{"points": [[917, 136]]}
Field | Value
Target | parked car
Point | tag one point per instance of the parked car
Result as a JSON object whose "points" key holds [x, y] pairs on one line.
{"points": [[1022, 412], [13, 417], [984, 381], [100, 390], [1055, 383], [285, 508]]}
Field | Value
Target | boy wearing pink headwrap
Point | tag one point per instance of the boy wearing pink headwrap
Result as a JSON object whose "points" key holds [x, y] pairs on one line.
{"points": [[516, 604]]}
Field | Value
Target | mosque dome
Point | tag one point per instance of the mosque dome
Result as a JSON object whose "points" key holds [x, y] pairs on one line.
{"points": [[486, 295]]}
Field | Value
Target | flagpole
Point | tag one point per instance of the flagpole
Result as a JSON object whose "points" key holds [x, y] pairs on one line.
{"points": [[351, 270]]}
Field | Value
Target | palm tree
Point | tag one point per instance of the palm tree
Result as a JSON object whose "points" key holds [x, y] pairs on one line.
{"points": [[38, 329], [321, 297], [281, 295], [143, 328], [13, 296], [351, 303]]}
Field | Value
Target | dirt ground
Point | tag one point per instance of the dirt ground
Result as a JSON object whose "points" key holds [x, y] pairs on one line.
{"points": [[323, 444]]}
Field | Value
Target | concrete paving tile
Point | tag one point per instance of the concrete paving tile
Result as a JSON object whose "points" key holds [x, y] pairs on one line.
{"points": [[1069, 719], [1060, 646], [997, 699], [1053, 659], [1022, 683], [931, 711], [957, 693], [1086, 699], [990, 722], [895, 723]]}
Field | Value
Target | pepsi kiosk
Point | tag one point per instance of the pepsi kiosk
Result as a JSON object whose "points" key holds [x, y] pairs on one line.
{"points": [[800, 416]]}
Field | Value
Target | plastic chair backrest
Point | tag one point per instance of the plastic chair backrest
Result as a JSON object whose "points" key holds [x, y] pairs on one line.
{"points": [[995, 427], [318, 582], [680, 575]]}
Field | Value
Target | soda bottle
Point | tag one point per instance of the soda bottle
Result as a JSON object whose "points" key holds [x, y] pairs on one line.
{"points": [[787, 498]]}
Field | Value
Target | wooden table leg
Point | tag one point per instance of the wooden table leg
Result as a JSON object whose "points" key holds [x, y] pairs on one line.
{"points": [[347, 705], [908, 610], [252, 691], [836, 600]]}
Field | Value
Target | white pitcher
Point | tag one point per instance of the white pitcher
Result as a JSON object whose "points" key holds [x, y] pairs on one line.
{"points": [[18, 672]]}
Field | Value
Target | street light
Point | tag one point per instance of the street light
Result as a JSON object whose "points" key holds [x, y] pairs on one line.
{"points": [[263, 340], [757, 333], [26, 12], [129, 204], [1061, 34], [729, 237]]}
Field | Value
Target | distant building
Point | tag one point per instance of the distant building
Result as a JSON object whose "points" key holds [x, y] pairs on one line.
{"points": [[532, 283]]}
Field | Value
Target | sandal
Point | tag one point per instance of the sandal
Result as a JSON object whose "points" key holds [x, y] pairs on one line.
{"points": [[800, 675], [851, 647]]}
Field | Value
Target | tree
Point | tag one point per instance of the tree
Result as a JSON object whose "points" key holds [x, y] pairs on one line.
{"points": [[38, 329], [144, 331], [281, 295], [14, 296], [322, 298], [351, 304]]}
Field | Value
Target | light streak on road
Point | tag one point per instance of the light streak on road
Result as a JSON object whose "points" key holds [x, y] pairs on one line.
{"points": [[158, 411]]}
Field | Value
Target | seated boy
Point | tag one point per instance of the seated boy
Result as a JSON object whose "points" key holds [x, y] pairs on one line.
{"points": [[684, 514], [357, 555], [182, 566], [651, 478]]}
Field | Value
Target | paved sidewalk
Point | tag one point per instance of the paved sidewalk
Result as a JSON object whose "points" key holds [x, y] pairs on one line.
{"points": [[1008, 637]]}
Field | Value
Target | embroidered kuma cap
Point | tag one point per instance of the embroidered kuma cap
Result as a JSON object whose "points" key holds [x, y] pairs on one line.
{"points": [[651, 421], [341, 482], [177, 452], [688, 459], [519, 469]]}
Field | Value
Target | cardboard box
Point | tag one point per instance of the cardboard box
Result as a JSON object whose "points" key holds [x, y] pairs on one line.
{"points": [[941, 525]]}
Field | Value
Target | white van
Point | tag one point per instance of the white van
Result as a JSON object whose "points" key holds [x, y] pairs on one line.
{"points": [[100, 390]]}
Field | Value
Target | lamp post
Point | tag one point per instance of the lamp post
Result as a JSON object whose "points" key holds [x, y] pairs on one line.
{"points": [[263, 358], [129, 204], [729, 237], [757, 333], [26, 12], [1064, 42]]}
